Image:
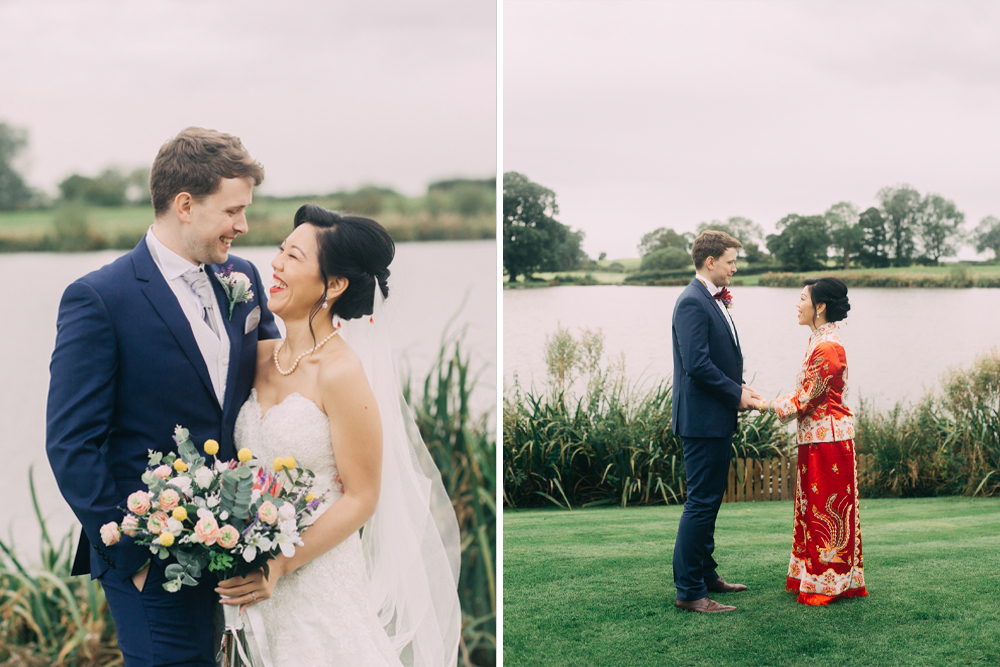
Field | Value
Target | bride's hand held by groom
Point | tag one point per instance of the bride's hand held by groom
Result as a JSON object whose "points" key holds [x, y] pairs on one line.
{"points": [[749, 399]]}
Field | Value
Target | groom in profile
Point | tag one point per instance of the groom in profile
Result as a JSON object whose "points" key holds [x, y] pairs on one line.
{"points": [[142, 344], [708, 393]]}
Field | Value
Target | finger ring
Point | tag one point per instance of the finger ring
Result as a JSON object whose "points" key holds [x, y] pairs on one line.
{"points": [[253, 595]]}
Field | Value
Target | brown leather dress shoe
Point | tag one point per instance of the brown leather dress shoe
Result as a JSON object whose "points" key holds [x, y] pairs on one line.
{"points": [[719, 586], [706, 605]]}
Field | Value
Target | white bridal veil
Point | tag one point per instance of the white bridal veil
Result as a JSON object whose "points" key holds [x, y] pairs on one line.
{"points": [[411, 544]]}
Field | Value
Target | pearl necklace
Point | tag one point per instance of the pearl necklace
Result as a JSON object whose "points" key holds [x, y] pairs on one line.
{"points": [[301, 356]]}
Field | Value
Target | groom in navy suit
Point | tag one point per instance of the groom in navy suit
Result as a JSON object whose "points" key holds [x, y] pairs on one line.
{"points": [[145, 343], [708, 393]]}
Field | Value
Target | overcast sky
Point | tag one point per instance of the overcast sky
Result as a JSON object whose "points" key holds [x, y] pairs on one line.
{"points": [[648, 114], [326, 95]]}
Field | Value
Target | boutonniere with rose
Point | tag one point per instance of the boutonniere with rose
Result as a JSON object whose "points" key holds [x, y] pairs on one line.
{"points": [[237, 287]]}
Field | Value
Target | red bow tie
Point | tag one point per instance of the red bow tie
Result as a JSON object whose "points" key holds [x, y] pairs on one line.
{"points": [[721, 295]]}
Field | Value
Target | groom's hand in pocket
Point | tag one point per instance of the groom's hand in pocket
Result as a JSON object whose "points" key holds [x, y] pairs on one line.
{"points": [[139, 578]]}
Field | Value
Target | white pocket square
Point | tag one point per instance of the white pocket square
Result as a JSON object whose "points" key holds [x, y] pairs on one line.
{"points": [[253, 319]]}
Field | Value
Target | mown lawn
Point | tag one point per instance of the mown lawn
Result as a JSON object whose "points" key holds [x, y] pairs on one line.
{"points": [[595, 587]]}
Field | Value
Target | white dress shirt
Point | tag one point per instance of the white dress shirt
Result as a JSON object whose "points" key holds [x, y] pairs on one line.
{"points": [[214, 349], [712, 289]]}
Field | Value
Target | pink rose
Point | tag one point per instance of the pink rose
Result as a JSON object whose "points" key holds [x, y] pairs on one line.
{"points": [[156, 522], [268, 513], [169, 499], [228, 537], [130, 525], [163, 471], [138, 503], [206, 531], [110, 534]]}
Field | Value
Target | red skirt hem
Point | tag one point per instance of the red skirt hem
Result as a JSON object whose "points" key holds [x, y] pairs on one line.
{"points": [[815, 599]]}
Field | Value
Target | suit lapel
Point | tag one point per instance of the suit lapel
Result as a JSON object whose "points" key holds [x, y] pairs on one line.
{"points": [[234, 329], [723, 317], [164, 301]]}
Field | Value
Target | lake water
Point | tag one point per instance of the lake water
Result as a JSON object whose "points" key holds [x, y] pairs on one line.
{"points": [[898, 342], [431, 283]]}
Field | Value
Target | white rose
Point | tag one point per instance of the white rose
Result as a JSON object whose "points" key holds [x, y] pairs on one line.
{"points": [[174, 526], [182, 483], [286, 511], [204, 477], [240, 279]]}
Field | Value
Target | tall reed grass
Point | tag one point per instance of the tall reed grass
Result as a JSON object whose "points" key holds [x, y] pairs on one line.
{"points": [[48, 618], [612, 444], [464, 449], [947, 444]]}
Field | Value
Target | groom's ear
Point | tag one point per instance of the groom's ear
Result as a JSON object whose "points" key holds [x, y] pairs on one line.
{"points": [[336, 286], [182, 206]]}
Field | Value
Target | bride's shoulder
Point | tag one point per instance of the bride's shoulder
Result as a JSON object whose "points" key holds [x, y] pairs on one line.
{"points": [[341, 369]]}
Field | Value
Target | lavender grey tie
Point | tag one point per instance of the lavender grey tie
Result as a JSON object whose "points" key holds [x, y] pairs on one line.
{"points": [[198, 280]]}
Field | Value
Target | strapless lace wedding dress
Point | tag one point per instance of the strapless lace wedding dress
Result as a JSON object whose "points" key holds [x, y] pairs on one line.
{"points": [[320, 615]]}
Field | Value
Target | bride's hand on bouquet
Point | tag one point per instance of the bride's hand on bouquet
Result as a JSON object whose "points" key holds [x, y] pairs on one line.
{"points": [[251, 589]]}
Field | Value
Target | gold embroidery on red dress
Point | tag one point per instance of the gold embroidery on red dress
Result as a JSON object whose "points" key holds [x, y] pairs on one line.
{"points": [[836, 533]]}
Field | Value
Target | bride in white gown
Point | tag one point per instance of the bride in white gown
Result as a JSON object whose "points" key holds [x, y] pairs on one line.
{"points": [[389, 597]]}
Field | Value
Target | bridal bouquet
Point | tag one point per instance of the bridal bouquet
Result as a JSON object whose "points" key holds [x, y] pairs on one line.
{"points": [[231, 517]]}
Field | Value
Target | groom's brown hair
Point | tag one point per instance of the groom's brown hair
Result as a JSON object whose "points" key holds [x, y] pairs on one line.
{"points": [[195, 162], [711, 243]]}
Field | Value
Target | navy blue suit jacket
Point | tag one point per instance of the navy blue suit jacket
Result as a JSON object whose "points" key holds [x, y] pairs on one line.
{"points": [[126, 369], [708, 367]]}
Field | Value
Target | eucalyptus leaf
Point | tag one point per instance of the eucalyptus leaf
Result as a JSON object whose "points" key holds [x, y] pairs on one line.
{"points": [[174, 570]]}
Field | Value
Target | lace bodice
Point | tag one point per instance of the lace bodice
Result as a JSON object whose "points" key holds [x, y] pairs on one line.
{"points": [[294, 427], [320, 615]]}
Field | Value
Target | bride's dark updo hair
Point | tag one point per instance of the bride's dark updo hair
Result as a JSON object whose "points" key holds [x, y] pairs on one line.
{"points": [[351, 247], [832, 292]]}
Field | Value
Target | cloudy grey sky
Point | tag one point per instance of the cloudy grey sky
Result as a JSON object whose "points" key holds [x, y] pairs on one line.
{"points": [[648, 114], [325, 94]]}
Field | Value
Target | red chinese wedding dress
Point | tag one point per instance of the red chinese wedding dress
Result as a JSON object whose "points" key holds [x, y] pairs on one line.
{"points": [[826, 562]]}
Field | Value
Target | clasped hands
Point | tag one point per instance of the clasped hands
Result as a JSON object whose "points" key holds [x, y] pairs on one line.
{"points": [[750, 399]]}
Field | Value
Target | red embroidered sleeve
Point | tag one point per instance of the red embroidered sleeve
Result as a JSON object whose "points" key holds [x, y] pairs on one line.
{"points": [[813, 383]]}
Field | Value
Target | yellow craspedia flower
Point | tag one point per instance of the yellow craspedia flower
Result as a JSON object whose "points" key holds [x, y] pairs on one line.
{"points": [[180, 513], [211, 447], [290, 463], [166, 539], [245, 454], [279, 464], [310, 497], [180, 466]]}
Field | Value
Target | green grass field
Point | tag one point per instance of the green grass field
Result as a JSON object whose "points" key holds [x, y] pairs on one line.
{"points": [[595, 587]]}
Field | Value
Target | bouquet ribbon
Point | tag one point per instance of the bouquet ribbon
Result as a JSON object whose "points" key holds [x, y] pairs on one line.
{"points": [[248, 635]]}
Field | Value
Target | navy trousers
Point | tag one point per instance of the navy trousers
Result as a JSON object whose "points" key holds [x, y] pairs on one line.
{"points": [[706, 462], [157, 628]]}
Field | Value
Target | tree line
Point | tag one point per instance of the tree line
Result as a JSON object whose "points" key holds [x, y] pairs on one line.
{"points": [[114, 187], [906, 228]]}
